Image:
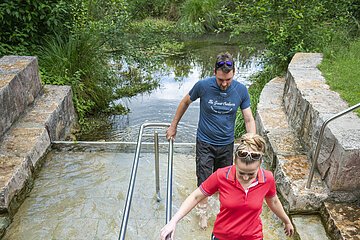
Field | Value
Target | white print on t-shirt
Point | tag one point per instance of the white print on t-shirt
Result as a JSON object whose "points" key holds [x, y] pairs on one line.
{"points": [[215, 104]]}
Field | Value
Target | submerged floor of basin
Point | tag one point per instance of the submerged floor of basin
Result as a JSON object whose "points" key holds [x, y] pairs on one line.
{"points": [[81, 195]]}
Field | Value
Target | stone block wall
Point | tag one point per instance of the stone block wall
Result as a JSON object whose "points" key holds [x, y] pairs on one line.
{"points": [[309, 103], [19, 85]]}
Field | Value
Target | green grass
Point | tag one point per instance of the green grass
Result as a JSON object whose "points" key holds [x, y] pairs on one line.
{"points": [[342, 72]]}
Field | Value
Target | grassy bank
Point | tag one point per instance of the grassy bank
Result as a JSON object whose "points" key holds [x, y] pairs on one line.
{"points": [[342, 73], [340, 67]]}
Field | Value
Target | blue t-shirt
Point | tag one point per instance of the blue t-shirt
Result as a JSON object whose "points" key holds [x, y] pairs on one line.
{"points": [[218, 109]]}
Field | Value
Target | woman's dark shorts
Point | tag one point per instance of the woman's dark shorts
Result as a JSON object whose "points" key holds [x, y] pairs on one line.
{"points": [[211, 157], [215, 238]]}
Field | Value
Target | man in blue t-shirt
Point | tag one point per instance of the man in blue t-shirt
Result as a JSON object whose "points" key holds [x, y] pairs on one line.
{"points": [[220, 98]]}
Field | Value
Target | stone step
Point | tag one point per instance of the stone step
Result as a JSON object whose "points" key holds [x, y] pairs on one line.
{"points": [[342, 220], [288, 156], [50, 118], [309, 227], [19, 86]]}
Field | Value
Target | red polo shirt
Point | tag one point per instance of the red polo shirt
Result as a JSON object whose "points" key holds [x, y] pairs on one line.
{"points": [[239, 216]]}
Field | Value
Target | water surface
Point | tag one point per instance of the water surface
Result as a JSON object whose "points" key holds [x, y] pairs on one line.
{"points": [[176, 76], [81, 195]]}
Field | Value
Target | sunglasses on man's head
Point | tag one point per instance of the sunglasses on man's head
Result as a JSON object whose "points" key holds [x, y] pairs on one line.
{"points": [[222, 63], [244, 154]]}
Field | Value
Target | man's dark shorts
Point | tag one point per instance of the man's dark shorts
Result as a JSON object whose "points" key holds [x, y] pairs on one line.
{"points": [[211, 157]]}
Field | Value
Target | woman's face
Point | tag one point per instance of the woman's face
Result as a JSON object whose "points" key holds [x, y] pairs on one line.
{"points": [[246, 173]]}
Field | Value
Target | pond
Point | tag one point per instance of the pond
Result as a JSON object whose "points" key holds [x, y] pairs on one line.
{"points": [[176, 77], [80, 194]]}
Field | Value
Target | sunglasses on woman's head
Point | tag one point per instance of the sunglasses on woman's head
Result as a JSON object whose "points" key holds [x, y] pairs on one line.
{"points": [[253, 155], [222, 63]]}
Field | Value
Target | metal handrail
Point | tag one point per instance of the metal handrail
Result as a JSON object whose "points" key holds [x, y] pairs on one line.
{"points": [[157, 166], [133, 177], [169, 182], [319, 142]]}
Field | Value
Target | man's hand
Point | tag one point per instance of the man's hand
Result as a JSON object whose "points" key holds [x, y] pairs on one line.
{"points": [[171, 132]]}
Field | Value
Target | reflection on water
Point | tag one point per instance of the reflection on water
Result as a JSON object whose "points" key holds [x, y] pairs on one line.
{"points": [[81, 195], [176, 77]]}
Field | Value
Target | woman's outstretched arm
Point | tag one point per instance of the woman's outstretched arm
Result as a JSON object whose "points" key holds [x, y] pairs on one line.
{"points": [[189, 203]]}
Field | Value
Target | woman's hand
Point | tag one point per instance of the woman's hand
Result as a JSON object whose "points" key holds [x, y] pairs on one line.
{"points": [[276, 206], [168, 231], [289, 229]]}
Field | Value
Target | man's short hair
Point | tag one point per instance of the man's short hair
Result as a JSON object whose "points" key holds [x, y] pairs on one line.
{"points": [[225, 62]]}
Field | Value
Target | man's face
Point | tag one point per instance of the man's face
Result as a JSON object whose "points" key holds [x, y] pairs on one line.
{"points": [[224, 79]]}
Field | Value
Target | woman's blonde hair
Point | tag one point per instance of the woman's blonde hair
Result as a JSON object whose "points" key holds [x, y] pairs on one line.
{"points": [[250, 142]]}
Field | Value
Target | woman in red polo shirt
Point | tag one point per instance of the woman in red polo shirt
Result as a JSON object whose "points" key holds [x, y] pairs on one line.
{"points": [[242, 189]]}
